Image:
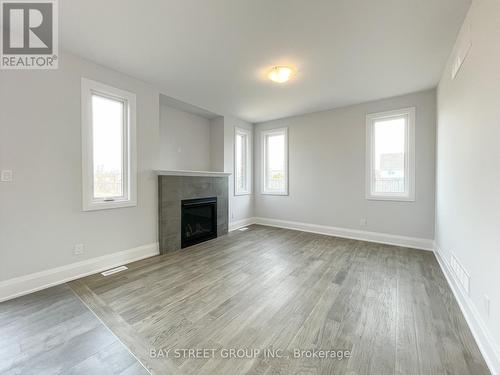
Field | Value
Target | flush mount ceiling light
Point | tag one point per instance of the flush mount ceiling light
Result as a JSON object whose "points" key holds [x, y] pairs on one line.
{"points": [[280, 74]]}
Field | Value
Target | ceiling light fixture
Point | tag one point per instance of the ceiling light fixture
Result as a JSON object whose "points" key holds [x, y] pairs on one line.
{"points": [[280, 74]]}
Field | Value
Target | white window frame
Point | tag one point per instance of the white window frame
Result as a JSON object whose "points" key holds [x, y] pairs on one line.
{"points": [[248, 157], [264, 135], [371, 119], [89, 87]]}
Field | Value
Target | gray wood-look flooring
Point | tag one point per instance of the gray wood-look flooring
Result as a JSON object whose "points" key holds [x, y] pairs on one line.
{"points": [[53, 332], [281, 289]]}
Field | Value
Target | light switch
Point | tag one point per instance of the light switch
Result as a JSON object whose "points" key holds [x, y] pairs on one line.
{"points": [[6, 176]]}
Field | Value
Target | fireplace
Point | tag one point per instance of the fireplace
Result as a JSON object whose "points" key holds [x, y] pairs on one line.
{"points": [[198, 220], [173, 189]]}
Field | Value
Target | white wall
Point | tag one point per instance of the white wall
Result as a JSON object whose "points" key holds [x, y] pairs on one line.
{"points": [[327, 171], [468, 156], [185, 140], [240, 206], [41, 214]]}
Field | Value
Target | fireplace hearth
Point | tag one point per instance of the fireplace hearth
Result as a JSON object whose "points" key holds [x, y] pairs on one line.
{"points": [[198, 220]]}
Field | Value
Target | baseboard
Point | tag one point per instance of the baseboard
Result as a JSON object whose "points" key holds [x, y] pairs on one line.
{"points": [[389, 239], [22, 285], [241, 223], [484, 339]]}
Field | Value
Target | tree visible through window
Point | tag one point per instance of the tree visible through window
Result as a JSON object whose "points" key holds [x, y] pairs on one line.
{"points": [[107, 132], [108, 146]]}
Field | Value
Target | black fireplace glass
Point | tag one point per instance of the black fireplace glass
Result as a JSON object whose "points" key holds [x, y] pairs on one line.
{"points": [[198, 220]]}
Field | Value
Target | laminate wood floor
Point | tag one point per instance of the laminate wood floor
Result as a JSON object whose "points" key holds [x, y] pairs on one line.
{"points": [[270, 288], [53, 332]]}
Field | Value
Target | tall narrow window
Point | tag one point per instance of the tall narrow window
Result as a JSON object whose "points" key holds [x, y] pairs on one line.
{"points": [[108, 146], [242, 162], [390, 163], [275, 161]]}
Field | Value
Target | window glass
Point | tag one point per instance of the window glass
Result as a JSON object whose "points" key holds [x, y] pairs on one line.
{"points": [[108, 155], [241, 162], [389, 155]]}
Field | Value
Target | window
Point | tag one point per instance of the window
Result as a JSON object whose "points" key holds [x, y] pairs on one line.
{"points": [[275, 162], [242, 162], [390, 163], [108, 147]]}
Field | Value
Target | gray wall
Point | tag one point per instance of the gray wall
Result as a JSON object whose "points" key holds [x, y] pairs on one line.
{"points": [[41, 214], [468, 202], [217, 144], [327, 171], [191, 142], [185, 140]]}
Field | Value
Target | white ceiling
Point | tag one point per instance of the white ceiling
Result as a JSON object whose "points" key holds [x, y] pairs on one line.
{"points": [[214, 53]]}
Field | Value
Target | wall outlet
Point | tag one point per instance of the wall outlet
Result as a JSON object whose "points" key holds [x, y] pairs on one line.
{"points": [[78, 249], [487, 303], [6, 175], [363, 222]]}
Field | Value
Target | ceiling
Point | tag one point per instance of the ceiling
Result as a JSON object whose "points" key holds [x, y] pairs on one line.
{"points": [[214, 53]]}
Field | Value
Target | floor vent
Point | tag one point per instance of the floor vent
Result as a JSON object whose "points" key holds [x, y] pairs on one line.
{"points": [[114, 270], [460, 274], [243, 229]]}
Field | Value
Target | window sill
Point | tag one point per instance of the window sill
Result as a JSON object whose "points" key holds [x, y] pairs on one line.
{"points": [[108, 205], [390, 198], [274, 193], [242, 193]]}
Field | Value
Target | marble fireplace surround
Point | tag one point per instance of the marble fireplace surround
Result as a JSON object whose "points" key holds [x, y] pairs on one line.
{"points": [[175, 186]]}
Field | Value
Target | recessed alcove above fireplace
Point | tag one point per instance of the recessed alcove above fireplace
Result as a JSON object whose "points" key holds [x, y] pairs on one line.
{"points": [[205, 193]]}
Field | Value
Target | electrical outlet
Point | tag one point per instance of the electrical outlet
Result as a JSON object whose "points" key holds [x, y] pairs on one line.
{"points": [[78, 249], [487, 303], [6, 175], [363, 222]]}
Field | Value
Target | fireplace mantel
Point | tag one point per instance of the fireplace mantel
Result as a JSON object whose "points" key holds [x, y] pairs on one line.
{"points": [[162, 172]]}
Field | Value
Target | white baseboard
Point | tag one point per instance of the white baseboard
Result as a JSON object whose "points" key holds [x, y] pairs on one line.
{"points": [[484, 339], [22, 285], [241, 223], [389, 239]]}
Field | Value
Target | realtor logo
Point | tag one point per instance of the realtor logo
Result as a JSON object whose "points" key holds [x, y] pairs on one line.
{"points": [[29, 37]]}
